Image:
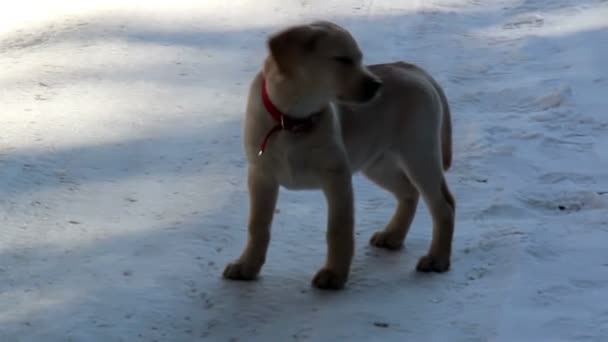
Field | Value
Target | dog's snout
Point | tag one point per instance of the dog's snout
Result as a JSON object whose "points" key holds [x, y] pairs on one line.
{"points": [[371, 87]]}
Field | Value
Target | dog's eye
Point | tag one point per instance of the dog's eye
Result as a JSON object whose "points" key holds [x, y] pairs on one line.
{"points": [[344, 60]]}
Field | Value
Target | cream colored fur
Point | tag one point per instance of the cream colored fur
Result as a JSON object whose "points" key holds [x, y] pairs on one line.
{"points": [[398, 135]]}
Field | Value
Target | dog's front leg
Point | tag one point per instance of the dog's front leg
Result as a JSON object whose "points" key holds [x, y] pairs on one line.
{"points": [[263, 192], [337, 187]]}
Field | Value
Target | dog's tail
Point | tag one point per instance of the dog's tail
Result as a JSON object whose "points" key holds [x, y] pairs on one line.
{"points": [[446, 132], [446, 128]]}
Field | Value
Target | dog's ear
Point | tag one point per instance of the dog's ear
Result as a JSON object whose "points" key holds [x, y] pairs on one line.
{"points": [[288, 44]]}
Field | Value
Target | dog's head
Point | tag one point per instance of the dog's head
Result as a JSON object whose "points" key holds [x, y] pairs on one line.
{"points": [[323, 58]]}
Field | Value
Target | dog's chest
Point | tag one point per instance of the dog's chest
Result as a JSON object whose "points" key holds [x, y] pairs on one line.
{"points": [[298, 169]]}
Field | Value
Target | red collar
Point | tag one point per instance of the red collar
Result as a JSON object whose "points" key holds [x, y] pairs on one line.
{"points": [[284, 122]]}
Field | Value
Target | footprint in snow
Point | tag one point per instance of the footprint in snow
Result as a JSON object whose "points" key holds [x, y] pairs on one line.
{"points": [[564, 201], [524, 21]]}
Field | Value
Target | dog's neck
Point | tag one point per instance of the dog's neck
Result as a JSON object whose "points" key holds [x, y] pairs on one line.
{"points": [[285, 96], [286, 113]]}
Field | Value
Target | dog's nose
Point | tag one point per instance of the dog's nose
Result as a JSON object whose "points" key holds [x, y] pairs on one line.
{"points": [[372, 86]]}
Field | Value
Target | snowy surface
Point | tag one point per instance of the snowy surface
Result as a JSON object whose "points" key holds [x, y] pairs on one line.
{"points": [[122, 176]]}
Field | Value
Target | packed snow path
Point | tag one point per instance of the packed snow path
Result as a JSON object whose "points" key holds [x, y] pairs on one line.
{"points": [[123, 194]]}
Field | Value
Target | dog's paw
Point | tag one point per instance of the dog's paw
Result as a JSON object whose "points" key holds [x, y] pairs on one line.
{"points": [[327, 279], [240, 271], [388, 240], [431, 263]]}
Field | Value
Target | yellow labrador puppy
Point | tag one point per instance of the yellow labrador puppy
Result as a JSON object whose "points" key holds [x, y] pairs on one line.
{"points": [[316, 115]]}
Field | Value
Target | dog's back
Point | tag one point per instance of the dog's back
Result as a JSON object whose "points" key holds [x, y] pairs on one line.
{"points": [[446, 122], [404, 86]]}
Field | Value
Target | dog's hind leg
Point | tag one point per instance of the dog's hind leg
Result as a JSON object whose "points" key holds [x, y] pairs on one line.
{"points": [[388, 175], [426, 173]]}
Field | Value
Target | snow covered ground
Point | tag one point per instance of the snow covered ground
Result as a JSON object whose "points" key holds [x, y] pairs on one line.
{"points": [[122, 176]]}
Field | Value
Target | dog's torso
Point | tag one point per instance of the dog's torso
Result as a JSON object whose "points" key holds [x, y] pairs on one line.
{"points": [[351, 135]]}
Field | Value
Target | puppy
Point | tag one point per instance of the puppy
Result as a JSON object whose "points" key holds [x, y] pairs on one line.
{"points": [[315, 116]]}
